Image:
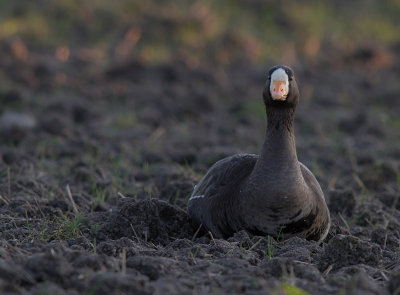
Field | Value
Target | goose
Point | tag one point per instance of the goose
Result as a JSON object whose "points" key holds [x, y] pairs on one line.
{"points": [[268, 194]]}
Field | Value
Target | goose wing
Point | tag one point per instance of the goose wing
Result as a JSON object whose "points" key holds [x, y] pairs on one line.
{"points": [[213, 198], [322, 222]]}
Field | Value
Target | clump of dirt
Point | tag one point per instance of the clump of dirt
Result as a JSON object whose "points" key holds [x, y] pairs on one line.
{"points": [[151, 220], [348, 250]]}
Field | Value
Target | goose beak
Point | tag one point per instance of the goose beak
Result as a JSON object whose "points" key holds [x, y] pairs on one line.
{"points": [[278, 90]]}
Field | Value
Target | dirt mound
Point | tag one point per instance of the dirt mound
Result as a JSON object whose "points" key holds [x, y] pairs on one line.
{"points": [[152, 220]]}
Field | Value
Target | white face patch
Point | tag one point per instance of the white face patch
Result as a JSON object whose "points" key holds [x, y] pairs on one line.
{"points": [[279, 87]]}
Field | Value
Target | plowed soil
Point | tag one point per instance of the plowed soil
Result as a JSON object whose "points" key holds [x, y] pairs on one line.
{"points": [[97, 164]]}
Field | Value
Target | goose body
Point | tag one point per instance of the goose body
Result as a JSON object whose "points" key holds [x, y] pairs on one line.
{"points": [[270, 194]]}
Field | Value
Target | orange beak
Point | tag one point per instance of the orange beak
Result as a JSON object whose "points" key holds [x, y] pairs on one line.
{"points": [[278, 91]]}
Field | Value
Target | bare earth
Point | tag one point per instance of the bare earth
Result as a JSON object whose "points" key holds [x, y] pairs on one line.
{"points": [[129, 141]]}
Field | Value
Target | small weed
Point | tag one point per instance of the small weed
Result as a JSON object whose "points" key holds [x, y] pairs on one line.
{"points": [[187, 171], [271, 244], [173, 197], [72, 226], [280, 235], [33, 233], [364, 196], [116, 182], [148, 190], [42, 234], [94, 246], [241, 249], [285, 288], [194, 252], [98, 195], [69, 228], [270, 248]]}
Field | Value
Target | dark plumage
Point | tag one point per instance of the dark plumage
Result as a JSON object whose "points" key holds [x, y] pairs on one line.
{"points": [[271, 194]]}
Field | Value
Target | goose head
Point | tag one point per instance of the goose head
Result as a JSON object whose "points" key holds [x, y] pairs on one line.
{"points": [[281, 88]]}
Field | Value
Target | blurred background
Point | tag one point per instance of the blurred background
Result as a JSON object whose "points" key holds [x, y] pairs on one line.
{"points": [[197, 32]]}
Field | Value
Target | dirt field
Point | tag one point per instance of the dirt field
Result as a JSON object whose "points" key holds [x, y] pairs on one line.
{"points": [[97, 163]]}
